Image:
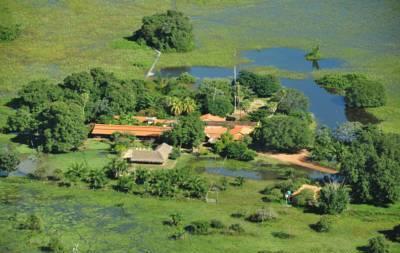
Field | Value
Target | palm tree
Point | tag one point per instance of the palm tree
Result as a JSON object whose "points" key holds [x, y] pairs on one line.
{"points": [[175, 105], [189, 105]]}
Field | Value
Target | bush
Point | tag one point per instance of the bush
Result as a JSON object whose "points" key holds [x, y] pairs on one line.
{"points": [[323, 225], [366, 93], [274, 195], [8, 160], [198, 227], [76, 172], [314, 54], [238, 214], [333, 199], [186, 78], [32, 222], [175, 154], [124, 184], [116, 168], [170, 31], [263, 215], [179, 234], [9, 33], [377, 245], [236, 228], [239, 181], [55, 245], [282, 235], [339, 83], [96, 179], [217, 224], [175, 219], [304, 199]]}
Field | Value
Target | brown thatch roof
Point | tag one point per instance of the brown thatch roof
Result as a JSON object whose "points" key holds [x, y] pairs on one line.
{"points": [[159, 155]]}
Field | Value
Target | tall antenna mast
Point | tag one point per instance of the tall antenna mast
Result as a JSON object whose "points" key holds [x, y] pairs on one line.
{"points": [[235, 83]]}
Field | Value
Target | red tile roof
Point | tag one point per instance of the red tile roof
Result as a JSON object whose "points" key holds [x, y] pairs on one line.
{"points": [[140, 131], [210, 117]]}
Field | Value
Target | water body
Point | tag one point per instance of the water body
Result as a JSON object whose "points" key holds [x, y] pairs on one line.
{"points": [[259, 174], [329, 109]]}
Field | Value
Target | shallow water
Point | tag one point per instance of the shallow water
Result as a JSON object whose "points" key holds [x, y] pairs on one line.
{"points": [[329, 109]]}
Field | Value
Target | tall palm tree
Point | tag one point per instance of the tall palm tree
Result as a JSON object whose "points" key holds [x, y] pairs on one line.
{"points": [[189, 105], [175, 105]]}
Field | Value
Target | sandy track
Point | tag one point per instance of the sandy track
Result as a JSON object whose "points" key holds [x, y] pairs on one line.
{"points": [[300, 159]]}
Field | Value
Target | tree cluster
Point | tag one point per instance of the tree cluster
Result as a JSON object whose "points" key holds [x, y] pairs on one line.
{"points": [[262, 85], [227, 147], [170, 31]]}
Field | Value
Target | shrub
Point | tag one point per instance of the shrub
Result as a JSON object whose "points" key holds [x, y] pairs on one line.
{"points": [[339, 83], [170, 31], [333, 199], [179, 234], [76, 172], [96, 179], [377, 245], [186, 78], [238, 214], [223, 184], [304, 199], [263, 215], [175, 154], [217, 224], [55, 245], [198, 227], [32, 222], [274, 195], [366, 93], [239, 181], [314, 54], [175, 219], [8, 160], [282, 235], [236, 228], [115, 168], [124, 184], [323, 225], [9, 33]]}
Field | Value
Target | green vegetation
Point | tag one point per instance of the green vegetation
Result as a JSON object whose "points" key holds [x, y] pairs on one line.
{"points": [[262, 85], [9, 33], [323, 225], [227, 147], [8, 159], [291, 101], [377, 245], [339, 83], [170, 31], [314, 54], [188, 132], [282, 133], [366, 94], [333, 199], [215, 96]]}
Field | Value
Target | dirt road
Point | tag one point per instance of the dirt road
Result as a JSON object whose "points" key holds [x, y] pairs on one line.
{"points": [[300, 159]]}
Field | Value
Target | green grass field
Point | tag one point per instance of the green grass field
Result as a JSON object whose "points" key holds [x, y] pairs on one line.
{"points": [[107, 221], [60, 37]]}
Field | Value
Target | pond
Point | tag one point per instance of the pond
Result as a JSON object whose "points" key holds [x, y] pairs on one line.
{"points": [[262, 174], [329, 109]]}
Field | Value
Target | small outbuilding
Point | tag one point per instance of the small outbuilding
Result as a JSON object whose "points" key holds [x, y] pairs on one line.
{"points": [[158, 156]]}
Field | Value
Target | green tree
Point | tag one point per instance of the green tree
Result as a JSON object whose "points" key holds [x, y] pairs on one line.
{"points": [[314, 54], [366, 93], [116, 168], [378, 245], [61, 127], [371, 166], [282, 133], [79, 82], [339, 83], [188, 132], [170, 31], [96, 179], [291, 101], [325, 147], [333, 199], [8, 159], [219, 105], [262, 85]]}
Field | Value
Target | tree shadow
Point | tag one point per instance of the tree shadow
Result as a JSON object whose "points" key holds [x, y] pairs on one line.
{"points": [[363, 249], [390, 234]]}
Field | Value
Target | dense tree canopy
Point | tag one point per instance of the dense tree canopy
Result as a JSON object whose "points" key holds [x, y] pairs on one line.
{"points": [[290, 101], [339, 83], [170, 31], [371, 166], [215, 97], [188, 132], [333, 199], [282, 133], [61, 127], [366, 93], [262, 85]]}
